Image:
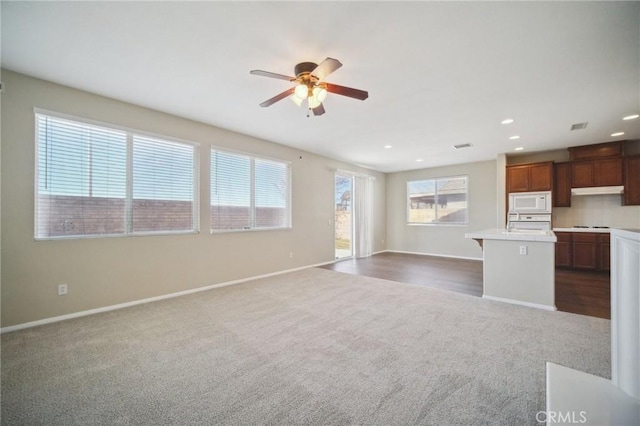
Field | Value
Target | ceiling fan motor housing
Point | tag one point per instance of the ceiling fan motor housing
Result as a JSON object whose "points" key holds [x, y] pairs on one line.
{"points": [[304, 68]]}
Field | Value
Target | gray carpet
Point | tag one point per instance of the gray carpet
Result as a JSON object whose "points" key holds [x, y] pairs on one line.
{"points": [[309, 347]]}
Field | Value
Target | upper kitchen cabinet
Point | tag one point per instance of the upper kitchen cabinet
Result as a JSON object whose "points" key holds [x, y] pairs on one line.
{"points": [[600, 172], [631, 196], [600, 150], [597, 165], [562, 185], [530, 177]]}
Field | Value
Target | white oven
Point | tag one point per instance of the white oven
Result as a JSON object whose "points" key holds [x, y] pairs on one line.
{"points": [[530, 202]]}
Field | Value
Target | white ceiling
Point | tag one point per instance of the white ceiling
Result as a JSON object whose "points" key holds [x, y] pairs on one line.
{"points": [[438, 74]]}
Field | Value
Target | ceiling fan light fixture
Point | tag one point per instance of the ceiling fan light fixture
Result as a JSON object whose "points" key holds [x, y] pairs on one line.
{"points": [[296, 100], [301, 91], [314, 102], [320, 93]]}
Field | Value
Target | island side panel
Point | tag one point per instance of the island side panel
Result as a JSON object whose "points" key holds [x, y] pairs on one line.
{"points": [[528, 278]]}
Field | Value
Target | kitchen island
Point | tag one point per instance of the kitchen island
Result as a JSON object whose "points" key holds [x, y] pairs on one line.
{"points": [[518, 266]]}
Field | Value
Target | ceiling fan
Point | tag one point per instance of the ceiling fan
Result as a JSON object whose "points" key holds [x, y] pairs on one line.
{"points": [[310, 85]]}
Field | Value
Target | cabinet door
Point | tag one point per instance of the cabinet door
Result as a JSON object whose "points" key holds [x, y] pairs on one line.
{"points": [[585, 251], [605, 257], [517, 179], [583, 174], [631, 195], [562, 185], [608, 172], [540, 177], [607, 149], [564, 250]]}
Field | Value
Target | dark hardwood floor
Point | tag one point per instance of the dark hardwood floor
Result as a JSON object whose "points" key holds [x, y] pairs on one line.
{"points": [[584, 293], [463, 276]]}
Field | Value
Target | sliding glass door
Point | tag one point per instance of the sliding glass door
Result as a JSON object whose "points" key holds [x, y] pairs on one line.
{"points": [[344, 216]]}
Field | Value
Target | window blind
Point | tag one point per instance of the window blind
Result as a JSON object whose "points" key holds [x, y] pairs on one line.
{"points": [[248, 192], [93, 180], [163, 186]]}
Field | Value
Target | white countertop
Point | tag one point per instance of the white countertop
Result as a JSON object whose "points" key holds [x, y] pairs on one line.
{"points": [[629, 233], [520, 235], [595, 230]]}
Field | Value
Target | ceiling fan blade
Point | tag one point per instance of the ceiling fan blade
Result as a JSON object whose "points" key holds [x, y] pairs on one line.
{"points": [[278, 97], [347, 91], [272, 75], [319, 110], [325, 68]]}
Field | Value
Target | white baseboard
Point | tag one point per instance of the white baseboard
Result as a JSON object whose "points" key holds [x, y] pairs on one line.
{"points": [[519, 302], [432, 254], [147, 300]]}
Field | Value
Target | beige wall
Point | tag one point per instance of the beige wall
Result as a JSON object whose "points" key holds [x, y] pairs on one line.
{"points": [[107, 271], [447, 240]]}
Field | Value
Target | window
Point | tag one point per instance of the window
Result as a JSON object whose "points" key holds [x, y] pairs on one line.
{"points": [[438, 201], [94, 180], [248, 192]]}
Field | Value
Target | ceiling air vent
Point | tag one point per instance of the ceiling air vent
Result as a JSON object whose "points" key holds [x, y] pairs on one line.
{"points": [[579, 126], [462, 145]]}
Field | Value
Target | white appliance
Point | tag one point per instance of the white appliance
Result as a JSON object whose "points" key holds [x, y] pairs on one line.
{"points": [[599, 190], [531, 222], [530, 202]]}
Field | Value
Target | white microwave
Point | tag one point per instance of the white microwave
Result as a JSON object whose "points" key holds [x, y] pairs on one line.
{"points": [[530, 202]]}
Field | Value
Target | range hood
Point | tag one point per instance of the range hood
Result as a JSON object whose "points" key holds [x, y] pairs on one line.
{"points": [[598, 190]]}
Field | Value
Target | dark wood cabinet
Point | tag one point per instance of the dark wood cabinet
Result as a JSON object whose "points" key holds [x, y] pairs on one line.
{"points": [[602, 172], [562, 185], [590, 251], [631, 195], [517, 179], [564, 250], [541, 176], [609, 172], [600, 150], [605, 253], [585, 251], [530, 177]]}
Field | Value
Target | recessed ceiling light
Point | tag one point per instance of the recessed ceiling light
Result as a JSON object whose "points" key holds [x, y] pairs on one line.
{"points": [[617, 134], [513, 138], [419, 160], [507, 121], [388, 147], [631, 117], [520, 148]]}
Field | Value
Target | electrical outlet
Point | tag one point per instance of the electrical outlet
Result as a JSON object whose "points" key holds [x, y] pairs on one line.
{"points": [[290, 255], [523, 250], [62, 289]]}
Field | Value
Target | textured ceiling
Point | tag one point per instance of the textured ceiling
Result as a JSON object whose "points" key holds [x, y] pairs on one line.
{"points": [[438, 74]]}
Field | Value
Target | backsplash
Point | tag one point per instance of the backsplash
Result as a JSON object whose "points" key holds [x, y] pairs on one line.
{"points": [[597, 210]]}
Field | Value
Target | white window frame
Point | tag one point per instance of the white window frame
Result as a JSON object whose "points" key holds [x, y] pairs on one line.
{"points": [[435, 180], [131, 133], [252, 205]]}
